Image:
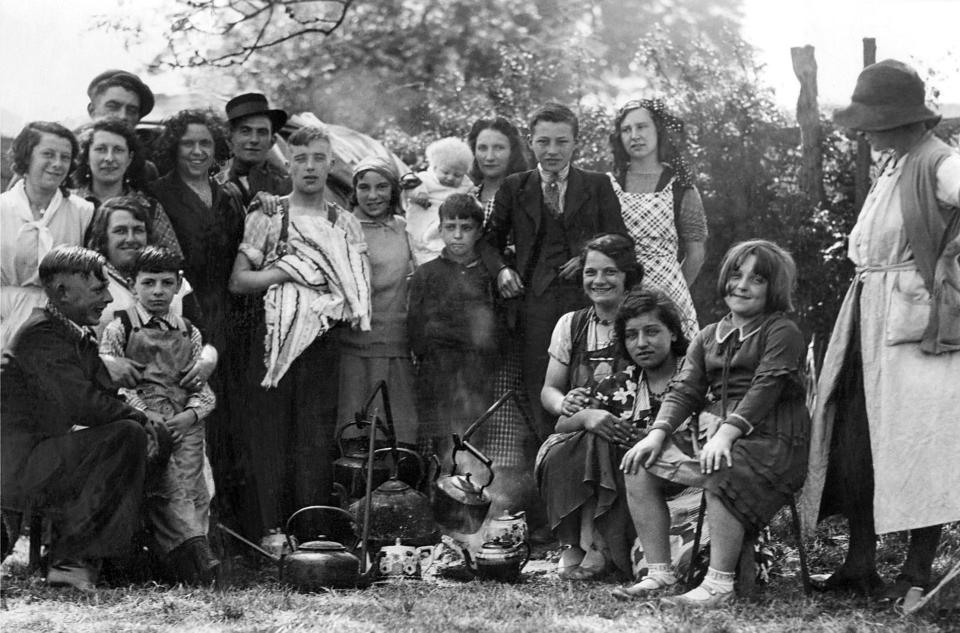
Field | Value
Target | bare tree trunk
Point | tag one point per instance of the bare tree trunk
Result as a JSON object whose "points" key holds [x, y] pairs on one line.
{"points": [[863, 148]]}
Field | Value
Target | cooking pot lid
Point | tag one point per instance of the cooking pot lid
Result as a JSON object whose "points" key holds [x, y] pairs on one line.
{"points": [[322, 546], [462, 490]]}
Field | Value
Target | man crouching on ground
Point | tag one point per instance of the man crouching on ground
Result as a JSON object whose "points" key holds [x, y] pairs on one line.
{"points": [[89, 482]]}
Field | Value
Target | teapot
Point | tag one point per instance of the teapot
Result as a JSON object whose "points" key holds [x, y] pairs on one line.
{"points": [[320, 564], [508, 529], [498, 561], [404, 560]]}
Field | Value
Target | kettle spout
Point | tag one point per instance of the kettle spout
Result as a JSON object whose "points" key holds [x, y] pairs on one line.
{"points": [[365, 579], [340, 491]]}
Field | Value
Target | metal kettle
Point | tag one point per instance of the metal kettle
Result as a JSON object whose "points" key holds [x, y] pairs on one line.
{"points": [[350, 469], [458, 503], [394, 509], [319, 564]]}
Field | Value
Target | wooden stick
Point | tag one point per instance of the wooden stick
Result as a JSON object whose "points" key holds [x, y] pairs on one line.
{"points": [[943, 583]]}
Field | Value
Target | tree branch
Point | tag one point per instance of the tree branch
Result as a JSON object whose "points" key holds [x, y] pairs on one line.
{"points": [[229, 18]]}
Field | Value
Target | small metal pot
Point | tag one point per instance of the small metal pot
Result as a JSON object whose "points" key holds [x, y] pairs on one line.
{"points": [[350, 469]]}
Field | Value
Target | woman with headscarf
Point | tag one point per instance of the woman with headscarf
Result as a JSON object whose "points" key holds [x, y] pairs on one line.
{"points": [[660, 204], [383, 353], [885, 435]]}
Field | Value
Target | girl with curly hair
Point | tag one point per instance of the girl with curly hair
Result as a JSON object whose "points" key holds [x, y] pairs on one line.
{"points": [[208, 224]]}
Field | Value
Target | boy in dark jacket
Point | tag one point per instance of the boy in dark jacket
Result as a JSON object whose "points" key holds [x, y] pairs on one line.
{"points": [[452, 327]]}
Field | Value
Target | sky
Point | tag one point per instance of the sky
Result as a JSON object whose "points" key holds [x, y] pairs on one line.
{"points": [[49, 53]]}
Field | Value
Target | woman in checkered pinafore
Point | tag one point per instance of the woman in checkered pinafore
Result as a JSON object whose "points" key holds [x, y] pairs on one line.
{"points": [[661, 207]]}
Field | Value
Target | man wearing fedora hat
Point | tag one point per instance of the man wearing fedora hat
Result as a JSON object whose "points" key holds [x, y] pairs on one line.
{"points": [[250, 178], [885, 433], [253, 131]]}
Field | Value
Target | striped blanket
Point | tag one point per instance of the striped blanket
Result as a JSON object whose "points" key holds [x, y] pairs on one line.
{"points": [[331, 283]]}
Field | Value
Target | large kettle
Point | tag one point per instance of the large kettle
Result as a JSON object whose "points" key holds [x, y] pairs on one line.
{"points": [[398, 511], [394, 509]]}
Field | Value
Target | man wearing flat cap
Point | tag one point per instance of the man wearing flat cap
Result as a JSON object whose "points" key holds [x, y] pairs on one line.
{"points": [[253, 131], [119, 93]]}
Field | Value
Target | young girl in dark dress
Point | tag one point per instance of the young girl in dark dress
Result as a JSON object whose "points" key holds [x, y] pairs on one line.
{"points": [[743, 374]]}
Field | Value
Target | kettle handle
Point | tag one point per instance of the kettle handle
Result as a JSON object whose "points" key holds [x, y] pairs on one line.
{"points": [[526, 559], [421, 468], [400, 449], [334, 509], [339, 436], [462, 444]]}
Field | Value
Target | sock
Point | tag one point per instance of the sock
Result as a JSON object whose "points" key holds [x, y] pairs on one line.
{"points": [[721, 581], [659, 576]]}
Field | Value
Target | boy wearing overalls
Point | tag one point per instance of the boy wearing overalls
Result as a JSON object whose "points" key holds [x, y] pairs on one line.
{"points": [[167, 345]]}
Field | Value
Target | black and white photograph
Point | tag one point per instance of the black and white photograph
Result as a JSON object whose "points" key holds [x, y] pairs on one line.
{"points": [[489, 316]]}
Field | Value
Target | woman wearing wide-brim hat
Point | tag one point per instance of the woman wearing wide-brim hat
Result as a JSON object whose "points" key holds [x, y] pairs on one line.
{"points": [[886, 431]]}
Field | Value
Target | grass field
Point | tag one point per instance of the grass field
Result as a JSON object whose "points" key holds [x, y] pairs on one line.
{"points": [[541, 603]]}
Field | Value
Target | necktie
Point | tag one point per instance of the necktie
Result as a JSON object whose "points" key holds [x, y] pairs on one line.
{"points": [[551, 194]]}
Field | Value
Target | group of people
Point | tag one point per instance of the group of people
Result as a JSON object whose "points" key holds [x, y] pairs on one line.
{"points": [[196, 318]]}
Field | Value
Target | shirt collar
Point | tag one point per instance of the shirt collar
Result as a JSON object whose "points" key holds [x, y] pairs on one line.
{"points": [[167, 318], [20, 189], [725, 328], [561, 176], [81, 332], [389, 221]]}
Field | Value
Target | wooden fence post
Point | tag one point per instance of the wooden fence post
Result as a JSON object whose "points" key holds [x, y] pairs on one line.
{"points": [[862, 180], [808, 116]]}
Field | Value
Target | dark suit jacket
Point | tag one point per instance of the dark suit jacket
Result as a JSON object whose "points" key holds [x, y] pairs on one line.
{"points": [[50, 380], [590, 207]]}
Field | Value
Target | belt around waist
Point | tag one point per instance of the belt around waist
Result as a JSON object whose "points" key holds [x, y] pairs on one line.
{"points": [[863, 271]]}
